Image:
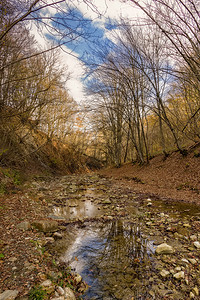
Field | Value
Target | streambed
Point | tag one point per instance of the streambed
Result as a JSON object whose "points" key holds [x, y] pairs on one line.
{"points": [[112, 235]]}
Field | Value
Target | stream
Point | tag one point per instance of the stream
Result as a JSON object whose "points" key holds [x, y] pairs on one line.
{"points": [[112, 234]]}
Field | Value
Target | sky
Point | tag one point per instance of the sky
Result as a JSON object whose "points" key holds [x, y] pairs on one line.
{"points": [[96, 26]]}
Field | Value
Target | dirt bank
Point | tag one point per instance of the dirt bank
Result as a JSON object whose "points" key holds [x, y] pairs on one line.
{"points": [[176, 177]]}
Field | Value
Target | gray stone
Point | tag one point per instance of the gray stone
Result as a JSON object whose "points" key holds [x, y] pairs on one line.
{"points": [[164, 249], [24, 225], [68, 294], [46, 226], [9, 295]]}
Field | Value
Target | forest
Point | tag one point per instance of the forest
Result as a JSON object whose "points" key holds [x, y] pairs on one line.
{"points": [[142, 90], [99, 149]]}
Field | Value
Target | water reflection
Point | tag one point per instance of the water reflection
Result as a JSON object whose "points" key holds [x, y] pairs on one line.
{"points": [[77, 208], [112, 258]]}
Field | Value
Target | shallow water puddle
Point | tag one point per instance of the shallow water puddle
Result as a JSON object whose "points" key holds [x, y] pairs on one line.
{"points": [[113, 258], [113, 245]]}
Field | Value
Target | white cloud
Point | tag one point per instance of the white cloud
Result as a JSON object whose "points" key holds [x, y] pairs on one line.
{"points": [[99, 11], [76, 69]]}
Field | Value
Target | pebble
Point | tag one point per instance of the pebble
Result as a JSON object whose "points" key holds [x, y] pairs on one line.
{"points": [[196, 291], [179, 275], [60, 290], [192, 261], [78, 278], [193, 237], [46, 283], [57, 235], [164, 249], [164, 273], [197, 244]]}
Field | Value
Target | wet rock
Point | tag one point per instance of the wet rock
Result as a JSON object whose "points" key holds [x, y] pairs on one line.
{"points": [[164, 249], [68, 294], [46, 226], [9, 295], [179, 275], [24, 225]]}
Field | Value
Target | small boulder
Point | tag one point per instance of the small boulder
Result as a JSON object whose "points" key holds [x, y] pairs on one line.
{"points": [[9, 295], [164, 249], [24, 226], [46, 226], [68, 294]]}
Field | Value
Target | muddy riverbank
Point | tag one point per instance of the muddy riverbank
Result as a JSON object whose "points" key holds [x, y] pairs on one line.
{"points": [[108, 233]]}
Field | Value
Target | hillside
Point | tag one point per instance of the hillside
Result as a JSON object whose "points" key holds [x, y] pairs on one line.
{"points": [[176, 177]]}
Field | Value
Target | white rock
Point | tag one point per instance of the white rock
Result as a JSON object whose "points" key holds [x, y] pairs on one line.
{"points": [[60, 290], [197, 244], [185, 260], [164, 249], [57, 235], [58, 298], [69, 295], [164, 273], [46, 283], [179, 275], [9, 295]]}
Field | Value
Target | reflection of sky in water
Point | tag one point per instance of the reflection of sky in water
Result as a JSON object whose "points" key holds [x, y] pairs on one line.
{"points": [[77, 208], [96, 253]]}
